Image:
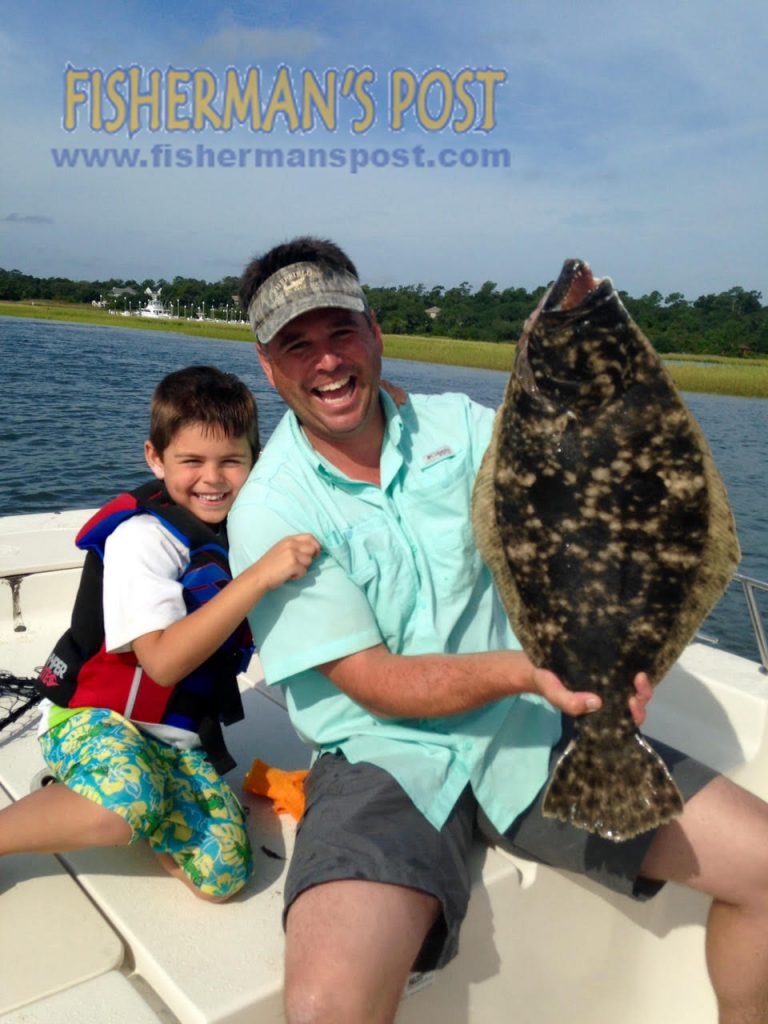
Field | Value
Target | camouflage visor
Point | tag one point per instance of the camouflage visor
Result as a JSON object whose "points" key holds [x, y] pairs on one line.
{"points": [[297, 289]]}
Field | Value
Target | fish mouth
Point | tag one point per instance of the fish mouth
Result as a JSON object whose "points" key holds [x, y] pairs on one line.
{"points": [[548, 353], [575, 287]]}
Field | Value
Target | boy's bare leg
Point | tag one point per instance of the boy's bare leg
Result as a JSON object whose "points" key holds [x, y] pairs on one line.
{"points": [[173, 869], [719, 845], [350, 946], [56, 819]]}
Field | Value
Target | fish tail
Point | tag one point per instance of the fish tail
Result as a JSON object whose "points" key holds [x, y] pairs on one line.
{"points": [[617, 793]]}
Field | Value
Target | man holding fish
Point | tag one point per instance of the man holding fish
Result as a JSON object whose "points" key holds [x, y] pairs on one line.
{"points": [[401, 668]]}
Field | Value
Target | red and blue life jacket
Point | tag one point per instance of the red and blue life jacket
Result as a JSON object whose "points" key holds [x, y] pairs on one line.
{"points": [[81, 673]]}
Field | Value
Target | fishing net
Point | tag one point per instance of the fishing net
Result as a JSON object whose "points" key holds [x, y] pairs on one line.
{"points": [[17, 696]]}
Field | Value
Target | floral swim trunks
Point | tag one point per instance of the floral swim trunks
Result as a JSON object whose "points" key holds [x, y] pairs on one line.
{"points": [[172, 798]]}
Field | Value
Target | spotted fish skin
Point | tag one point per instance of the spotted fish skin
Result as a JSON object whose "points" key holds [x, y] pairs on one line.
{"points": [[607, 527]]}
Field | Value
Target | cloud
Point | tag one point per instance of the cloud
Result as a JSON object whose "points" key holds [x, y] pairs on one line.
{"points": [[637, 137], [237, 42], [26, 218], [15, 74]]}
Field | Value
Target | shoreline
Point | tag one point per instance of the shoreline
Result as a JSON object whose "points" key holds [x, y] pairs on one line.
{"points": [[707, 374]]}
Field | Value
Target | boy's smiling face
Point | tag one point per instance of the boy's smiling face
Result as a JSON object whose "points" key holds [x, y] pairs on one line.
{"points": [[203, 470]]}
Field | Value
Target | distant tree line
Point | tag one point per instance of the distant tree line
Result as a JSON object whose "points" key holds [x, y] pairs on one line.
{"points": [[733, 322], [181, 291], [729, 323]]}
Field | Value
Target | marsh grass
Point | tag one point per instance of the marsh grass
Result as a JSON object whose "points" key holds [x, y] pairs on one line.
{"points": [[745, 379], [65, 313], [716, 375], [483, 355]]}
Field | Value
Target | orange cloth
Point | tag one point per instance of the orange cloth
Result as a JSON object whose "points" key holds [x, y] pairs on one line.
{"points": [[284, 789]]}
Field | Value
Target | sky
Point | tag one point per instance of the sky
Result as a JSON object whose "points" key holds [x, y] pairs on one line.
{"points": [[486, 143]]}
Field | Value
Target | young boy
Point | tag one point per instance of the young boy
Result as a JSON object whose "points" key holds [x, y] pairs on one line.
{"points": [[137, 686]]}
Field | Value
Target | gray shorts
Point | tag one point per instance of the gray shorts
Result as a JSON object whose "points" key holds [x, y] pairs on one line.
{"points": [[360, 824]]}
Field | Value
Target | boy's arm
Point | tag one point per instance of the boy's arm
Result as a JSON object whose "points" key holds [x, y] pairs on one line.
{"points": [[168, 655]]}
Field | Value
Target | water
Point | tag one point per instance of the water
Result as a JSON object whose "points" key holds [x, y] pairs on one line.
{"points": [[75, 403]]}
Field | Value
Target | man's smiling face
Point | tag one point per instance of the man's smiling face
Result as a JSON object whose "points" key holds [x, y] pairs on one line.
{"points": [[326, 365]]}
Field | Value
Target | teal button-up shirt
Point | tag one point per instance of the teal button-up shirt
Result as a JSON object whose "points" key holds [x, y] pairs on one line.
{"points": [[399, 566]]}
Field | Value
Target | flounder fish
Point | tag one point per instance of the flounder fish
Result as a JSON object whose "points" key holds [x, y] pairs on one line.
{"points": [[607, 527]]}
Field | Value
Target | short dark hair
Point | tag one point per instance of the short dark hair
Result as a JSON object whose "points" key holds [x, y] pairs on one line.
{"points": [[205, 395], [300, 250]]}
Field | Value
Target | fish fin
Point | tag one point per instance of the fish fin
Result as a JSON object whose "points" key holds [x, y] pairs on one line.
{"points": [[617, 794]]}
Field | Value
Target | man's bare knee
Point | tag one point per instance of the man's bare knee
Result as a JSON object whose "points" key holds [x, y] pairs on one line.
{"points": [[349, 947], [307, 1005]]}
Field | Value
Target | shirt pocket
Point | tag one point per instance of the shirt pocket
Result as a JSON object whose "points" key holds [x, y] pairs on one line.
{"points": [[378, 559], [442, 503]]}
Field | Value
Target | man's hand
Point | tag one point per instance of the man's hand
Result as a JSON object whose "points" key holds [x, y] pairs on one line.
{"points": [[570, 702], [639, 702], [576, 704], [398, 396]]}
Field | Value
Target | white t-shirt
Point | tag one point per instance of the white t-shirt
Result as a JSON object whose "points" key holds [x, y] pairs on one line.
{"points": [[142, 593], [143, 563]]}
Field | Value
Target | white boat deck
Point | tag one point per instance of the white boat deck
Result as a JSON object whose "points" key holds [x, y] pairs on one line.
{"points": [[106, 935], [39, 903]]}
